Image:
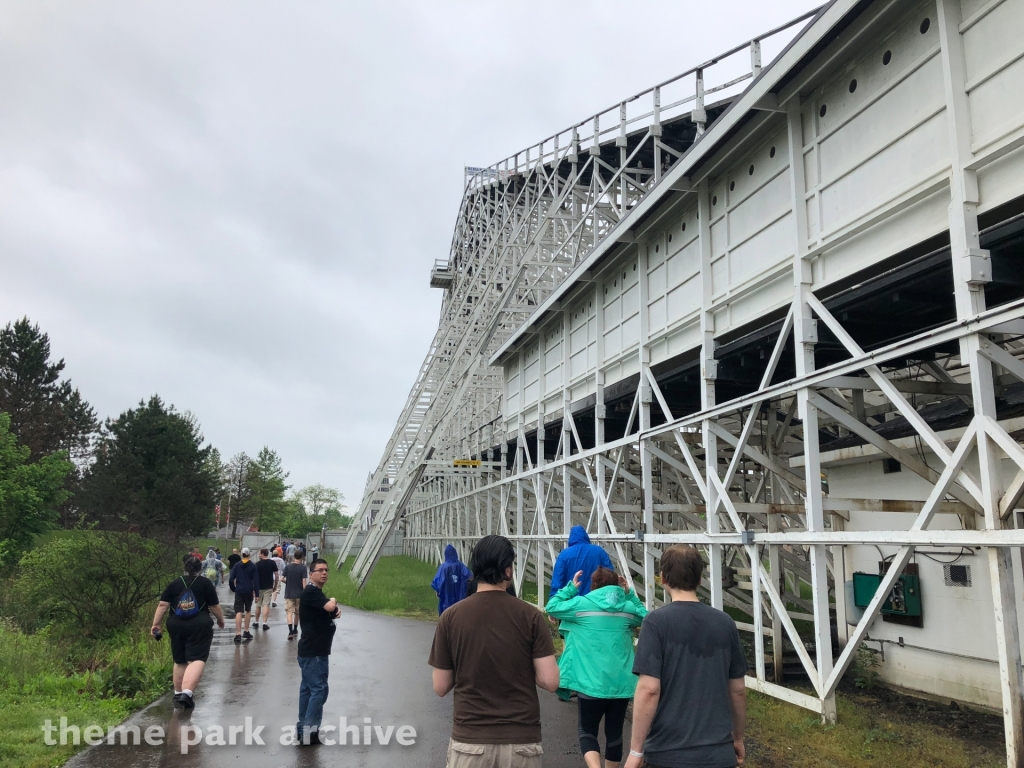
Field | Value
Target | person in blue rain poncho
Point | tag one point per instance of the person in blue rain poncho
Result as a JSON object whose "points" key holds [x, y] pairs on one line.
{"points": [[580, 555], [451, 579]]}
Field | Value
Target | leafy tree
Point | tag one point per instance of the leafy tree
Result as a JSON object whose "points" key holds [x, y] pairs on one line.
{"points": [[296, 522], [151, 474], [323, 505], [29, 492], [47, 413], [267, 480], [313, 507]]}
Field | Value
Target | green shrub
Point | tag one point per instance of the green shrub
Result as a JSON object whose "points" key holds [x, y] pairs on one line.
{"points": [[866, 667], [90, 584]]}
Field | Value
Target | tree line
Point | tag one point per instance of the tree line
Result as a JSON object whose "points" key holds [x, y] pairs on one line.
{"points": [[257, 492], [149, 471]]}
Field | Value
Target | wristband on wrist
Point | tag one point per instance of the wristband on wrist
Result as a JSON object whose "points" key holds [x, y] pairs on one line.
{"points": [[634, 753]]}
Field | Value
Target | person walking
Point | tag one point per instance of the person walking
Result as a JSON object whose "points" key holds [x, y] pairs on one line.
{"points": [[493, 650], [316, 618], [266, 572], [233, 559], [295, 580], [244, 582], [279, 564], [597, 662], [690, 706], [213, 569], [580, 555], [189, 599], [451, 580]]}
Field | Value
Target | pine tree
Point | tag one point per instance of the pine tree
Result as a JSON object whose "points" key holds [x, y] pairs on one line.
{"points": [[152, 474], [236, 479], [47, 413], [266, 478]]}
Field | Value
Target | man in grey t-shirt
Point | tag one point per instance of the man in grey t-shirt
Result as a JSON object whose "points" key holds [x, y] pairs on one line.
{"points": [[690, 707], [295, 578]]}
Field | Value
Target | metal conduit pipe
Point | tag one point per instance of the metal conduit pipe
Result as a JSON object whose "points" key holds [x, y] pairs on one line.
{"points": [[881, 644]]}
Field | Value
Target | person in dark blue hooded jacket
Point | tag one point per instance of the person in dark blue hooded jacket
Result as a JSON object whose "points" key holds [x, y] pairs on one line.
{"points": [[580, 555], [451, 579]]}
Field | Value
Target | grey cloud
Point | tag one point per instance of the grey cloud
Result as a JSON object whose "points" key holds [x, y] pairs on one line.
{"points": [[236, 204]]}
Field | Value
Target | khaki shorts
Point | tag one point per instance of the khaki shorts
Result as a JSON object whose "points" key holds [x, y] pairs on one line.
{"points": [[291, 604], [263, 601], [462, 755]]}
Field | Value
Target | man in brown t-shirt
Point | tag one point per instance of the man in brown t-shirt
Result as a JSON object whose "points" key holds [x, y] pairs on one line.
{"points": [[494, 650]]}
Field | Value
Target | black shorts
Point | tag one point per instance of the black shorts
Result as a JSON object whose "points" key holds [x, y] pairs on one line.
{"points": [[243, 603], [190, 638]]}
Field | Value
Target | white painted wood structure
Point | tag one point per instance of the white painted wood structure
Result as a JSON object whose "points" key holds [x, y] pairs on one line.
{"points": [[783, 324]]}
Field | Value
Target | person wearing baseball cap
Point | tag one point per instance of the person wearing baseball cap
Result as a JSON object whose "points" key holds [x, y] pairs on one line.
{"points": [[244, 582]]}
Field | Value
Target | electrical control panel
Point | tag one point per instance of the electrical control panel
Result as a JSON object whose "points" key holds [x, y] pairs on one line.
{"points": [[904, 600]]}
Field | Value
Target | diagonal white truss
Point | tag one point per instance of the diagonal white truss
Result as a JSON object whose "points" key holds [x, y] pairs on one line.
{"points": [[740, 479], [524, 224]]}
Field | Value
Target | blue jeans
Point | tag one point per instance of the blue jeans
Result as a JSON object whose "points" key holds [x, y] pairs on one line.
{"points": [[312, 693]]}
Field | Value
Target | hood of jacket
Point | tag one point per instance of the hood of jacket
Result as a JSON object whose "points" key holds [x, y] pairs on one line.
{"points": [[450, 554], [611, 598], [578, 535]]}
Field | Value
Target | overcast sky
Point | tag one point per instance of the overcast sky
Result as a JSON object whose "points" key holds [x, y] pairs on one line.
{"points": [[236, 205]]}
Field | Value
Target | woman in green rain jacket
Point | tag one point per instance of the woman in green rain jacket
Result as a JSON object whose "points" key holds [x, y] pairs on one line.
{"points": [[597, 662]]}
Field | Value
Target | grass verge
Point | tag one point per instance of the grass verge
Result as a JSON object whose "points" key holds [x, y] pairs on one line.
{"points": [[400, 587], [40, 680], [203, 545], [869, 732]]}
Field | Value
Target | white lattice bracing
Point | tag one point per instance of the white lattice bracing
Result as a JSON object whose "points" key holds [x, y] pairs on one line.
{"points": [[688, 326]]}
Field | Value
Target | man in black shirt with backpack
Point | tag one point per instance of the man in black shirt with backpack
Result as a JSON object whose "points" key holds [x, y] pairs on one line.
{"points": [[189, 599]]}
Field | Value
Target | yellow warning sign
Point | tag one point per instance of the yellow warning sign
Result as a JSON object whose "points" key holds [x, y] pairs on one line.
{"points": [[466, 463]]}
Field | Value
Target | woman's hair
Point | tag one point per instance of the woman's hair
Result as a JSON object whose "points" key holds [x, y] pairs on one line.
{"points": [[193, 565], [681, 567], [603, 577], [491, 556]]}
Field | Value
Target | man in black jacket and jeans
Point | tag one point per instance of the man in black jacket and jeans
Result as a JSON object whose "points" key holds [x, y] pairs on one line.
{"points": [[244, 582], [316, 619]]}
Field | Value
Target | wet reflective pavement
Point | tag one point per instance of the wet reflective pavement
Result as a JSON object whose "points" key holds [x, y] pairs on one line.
{"points": [[378, 671]]}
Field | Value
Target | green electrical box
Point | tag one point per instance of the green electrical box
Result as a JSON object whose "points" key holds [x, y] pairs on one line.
{"points": [[864, 587], [904, 600]]}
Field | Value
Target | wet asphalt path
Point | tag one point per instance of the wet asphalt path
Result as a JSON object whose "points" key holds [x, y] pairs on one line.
{"points": [[378, 670]]}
